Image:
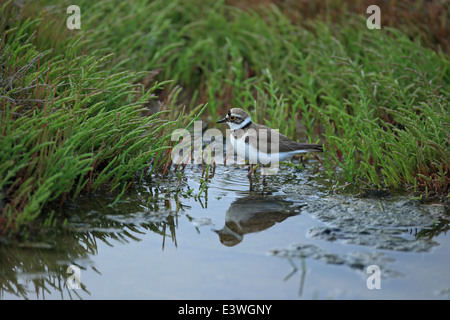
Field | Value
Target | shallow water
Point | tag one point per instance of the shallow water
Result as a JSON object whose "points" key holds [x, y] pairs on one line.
{"points": [[290, 239]]}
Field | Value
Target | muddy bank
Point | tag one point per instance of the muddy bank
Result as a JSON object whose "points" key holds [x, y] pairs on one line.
{"points": [[373, 226]]}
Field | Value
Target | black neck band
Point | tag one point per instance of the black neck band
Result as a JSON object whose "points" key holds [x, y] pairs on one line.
{"points": [[247, 125]]}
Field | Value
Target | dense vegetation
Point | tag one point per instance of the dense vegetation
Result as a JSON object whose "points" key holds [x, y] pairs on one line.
{"points": [[87, 109]]}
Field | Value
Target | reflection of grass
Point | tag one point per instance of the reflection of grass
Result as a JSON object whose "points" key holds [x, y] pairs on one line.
{"points": [[437, 228], [37, 269], [72, 101]]}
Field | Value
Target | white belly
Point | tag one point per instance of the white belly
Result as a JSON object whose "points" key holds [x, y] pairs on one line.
{"points": [[248, 152]]}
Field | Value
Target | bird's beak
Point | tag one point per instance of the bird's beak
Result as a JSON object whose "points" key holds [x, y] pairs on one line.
{"points": [[222, 120]]}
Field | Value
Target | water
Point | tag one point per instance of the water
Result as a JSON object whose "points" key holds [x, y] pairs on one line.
{"points": [[290, 239]]}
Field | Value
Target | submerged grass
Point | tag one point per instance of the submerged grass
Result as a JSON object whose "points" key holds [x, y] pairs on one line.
{"points": [[72, 102]]}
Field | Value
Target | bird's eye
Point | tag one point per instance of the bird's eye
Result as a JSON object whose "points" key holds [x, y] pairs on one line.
{"points": [[232, 118]]}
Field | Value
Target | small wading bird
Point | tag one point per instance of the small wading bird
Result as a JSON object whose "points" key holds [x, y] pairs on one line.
{"points": [[257, 143]]}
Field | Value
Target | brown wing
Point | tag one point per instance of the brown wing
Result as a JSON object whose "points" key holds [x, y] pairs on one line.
{"points": [[284, 143]]}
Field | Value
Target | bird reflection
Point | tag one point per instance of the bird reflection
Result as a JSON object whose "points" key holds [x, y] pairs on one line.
{"points": [[254, 213]]}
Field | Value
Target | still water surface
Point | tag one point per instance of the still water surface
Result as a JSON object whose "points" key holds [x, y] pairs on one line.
{"points": [[289, 239]]}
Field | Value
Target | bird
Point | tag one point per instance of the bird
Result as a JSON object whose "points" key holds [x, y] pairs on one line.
{"points": [[260, 144]]}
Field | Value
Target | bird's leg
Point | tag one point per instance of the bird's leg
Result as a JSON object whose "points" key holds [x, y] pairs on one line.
{"points": [[254, 170], [226, 157], [250, 171]]}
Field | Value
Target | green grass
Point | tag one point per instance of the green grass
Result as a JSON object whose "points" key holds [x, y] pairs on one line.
{"points": [[75, 104], [70, 125], [378, 100]]}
